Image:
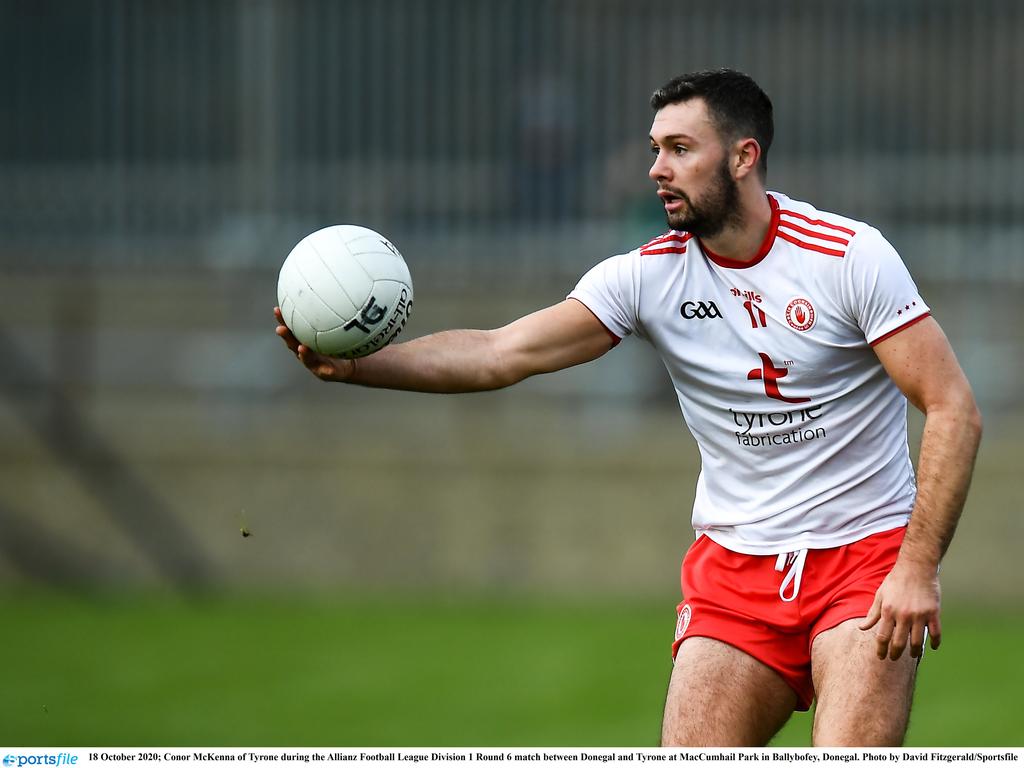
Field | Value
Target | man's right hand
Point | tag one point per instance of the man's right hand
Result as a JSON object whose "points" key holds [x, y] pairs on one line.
{"points": [[321, 366]]}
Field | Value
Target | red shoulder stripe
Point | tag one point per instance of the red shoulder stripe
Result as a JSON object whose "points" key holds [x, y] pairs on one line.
{"points": [[670, 242], [671, 236], [819, 235], [659, 251], [656, 251], [811, 246], [819, 222]]}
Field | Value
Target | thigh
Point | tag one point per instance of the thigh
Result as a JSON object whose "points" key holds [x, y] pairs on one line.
{"points": [[862, 701], [719, 696]]}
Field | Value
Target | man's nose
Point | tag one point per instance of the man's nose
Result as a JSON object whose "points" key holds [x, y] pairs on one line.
{"points": [[659, 168]]}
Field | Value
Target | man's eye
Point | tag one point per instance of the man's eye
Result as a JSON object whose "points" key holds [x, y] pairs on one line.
{"points": [[679, 149], [654, 150]]}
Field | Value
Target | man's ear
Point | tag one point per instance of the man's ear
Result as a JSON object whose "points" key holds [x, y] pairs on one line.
{"points": [[746, 156]]}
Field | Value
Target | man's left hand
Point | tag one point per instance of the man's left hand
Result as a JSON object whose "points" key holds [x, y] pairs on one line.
{"points": [[906, 604]]}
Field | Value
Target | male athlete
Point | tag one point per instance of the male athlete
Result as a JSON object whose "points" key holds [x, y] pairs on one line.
{"points": [[794, 338]]}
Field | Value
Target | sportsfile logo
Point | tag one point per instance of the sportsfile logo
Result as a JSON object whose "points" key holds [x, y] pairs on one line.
{"points": [[61, 758]]}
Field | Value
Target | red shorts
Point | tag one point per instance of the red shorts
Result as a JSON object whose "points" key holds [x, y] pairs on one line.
{"points": [[735, 598]]}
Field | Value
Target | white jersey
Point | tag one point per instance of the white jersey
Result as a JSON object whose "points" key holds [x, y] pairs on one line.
{"points": [[802, 434]]}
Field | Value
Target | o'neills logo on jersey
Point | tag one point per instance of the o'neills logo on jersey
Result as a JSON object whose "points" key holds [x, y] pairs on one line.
{"points": [[800, 314]]}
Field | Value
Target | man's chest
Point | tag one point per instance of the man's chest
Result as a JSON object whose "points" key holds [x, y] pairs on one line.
{"points": [[753, 334]]}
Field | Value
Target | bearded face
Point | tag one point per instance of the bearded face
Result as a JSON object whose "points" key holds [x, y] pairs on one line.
{"points": [[706, 214]]}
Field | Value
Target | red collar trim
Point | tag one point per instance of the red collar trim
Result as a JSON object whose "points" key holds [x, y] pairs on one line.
{"points": [[766, 244]]}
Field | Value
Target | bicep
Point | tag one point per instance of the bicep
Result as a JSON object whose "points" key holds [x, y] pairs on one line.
{"points": [[551, 339], [921, 362]]}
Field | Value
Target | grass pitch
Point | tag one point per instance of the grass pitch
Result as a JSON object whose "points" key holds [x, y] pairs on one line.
{"points": [[349, 671]]}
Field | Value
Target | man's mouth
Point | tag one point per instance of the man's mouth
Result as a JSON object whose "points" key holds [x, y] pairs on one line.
{"points": [[671, 200]]}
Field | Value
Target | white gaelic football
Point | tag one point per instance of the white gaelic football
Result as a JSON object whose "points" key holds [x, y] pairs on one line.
{"points": [[345, 291]]}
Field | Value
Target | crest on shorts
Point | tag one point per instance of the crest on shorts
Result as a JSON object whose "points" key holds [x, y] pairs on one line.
{"points": [[683, 621]]}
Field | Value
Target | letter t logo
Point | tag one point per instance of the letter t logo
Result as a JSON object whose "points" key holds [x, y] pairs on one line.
{"points": [[771, 375]]}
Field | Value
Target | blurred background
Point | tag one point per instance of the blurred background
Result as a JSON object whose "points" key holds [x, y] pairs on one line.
{"points": [[498, 568]]}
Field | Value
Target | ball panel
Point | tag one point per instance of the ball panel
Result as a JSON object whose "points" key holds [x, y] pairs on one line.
{"points": [[383, 264], [378, 256], [356, 291], [314, 308], [302, 329], [343, 298], [284, 301], [339, 341]]}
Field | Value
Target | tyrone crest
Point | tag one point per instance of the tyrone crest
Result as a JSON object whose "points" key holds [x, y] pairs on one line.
{"points": [[800, 314]]}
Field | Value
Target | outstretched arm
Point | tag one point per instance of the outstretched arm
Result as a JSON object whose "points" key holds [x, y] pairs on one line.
{"points": [[550, 339], [922, 364]]}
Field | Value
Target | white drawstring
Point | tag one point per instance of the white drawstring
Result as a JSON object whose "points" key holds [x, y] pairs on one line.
{"points": [[796, 562]]}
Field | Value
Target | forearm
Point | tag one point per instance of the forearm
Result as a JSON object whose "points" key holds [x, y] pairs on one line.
{"points": [[948, 449], [548, 340], [445, 362]]}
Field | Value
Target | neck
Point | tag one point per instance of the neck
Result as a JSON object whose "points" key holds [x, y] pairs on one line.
{"points": [[741, 240]]}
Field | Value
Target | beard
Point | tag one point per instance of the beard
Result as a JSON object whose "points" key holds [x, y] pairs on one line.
{"points": [[718, 208]]}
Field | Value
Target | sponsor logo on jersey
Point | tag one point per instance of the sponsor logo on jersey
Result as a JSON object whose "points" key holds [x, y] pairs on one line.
{"points": [[800, 314], [756, 429], [781, 427], [700, 310], [770, 374], [683, 621]]}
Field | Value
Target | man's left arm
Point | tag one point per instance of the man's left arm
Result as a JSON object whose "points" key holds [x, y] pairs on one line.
{"points": [[921, 362]]}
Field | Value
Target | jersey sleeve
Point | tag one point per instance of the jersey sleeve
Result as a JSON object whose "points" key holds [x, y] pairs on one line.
{"points": [[880, 292], [611, 290]]}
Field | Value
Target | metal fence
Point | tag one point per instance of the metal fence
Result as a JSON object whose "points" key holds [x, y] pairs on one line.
{"points": [[487, 135]]}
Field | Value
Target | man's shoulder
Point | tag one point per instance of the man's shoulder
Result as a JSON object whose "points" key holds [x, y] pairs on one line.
{"points": [[811, 228], [802, 211]]}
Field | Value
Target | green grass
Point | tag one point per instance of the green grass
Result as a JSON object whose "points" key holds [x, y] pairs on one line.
{"points": [[347, 672]]}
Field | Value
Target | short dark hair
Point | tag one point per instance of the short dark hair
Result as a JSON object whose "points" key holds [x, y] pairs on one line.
{"points": [[736, 104]]}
